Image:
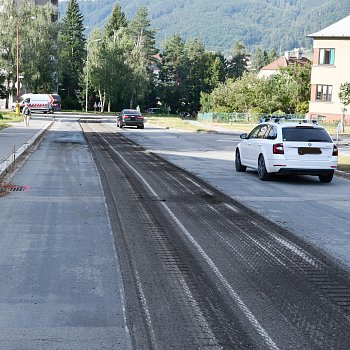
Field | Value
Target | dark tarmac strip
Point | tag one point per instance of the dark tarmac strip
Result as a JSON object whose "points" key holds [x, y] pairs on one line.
{"points": [[202, 271]]}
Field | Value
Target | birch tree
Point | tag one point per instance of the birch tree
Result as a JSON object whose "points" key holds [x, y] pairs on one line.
{"points": [[141, 55]]}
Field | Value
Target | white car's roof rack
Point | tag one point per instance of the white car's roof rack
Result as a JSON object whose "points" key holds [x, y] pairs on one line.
{"points": [[286, 118]]}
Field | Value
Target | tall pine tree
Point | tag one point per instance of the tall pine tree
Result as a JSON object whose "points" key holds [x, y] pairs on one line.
{"points": [[237, 62], [174, 74], [115, 22], [72, 54]]}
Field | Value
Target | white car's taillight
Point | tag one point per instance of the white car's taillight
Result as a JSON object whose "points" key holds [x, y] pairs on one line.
{"points": [[278, 148], [335, 151]]}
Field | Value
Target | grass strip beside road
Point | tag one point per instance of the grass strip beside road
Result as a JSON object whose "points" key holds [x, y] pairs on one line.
{"points": [[7, 118], [344, 163], [172, 122]]}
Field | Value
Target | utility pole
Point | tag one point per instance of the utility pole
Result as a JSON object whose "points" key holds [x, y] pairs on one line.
{"points": [[17, 60], [18, 110]]}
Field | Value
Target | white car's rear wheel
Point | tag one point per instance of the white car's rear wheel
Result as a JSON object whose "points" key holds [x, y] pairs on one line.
{"points": [[262, 172], [326, 177]]}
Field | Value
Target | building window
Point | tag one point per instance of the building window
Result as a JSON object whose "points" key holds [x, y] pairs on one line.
{"points": [[326, 56], [324, 93]]}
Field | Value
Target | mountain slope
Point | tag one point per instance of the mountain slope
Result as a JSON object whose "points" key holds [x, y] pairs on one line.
{"points": [[279, 24]]}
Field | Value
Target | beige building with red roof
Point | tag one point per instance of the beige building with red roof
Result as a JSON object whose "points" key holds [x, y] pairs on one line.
{"points": [[330, 69]]}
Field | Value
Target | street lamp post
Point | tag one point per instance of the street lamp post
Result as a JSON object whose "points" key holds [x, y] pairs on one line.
{"points": [[17, 63], [343, 113], [87, 73], [18, 110], [87, 79]]}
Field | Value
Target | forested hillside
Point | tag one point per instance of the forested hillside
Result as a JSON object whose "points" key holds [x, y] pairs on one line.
{"points": [[279, 24]]}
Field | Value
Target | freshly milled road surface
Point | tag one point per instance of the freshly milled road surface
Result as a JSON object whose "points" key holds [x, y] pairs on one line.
{"points": [[201, 271]]}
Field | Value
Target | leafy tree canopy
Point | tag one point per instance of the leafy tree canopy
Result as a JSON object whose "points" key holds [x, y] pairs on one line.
{"points": [[37, 46], [120, 64], [344, 93], [288, 91]]}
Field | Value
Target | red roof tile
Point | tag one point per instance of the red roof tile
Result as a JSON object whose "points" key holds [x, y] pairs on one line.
{"points": [[283, 62]]}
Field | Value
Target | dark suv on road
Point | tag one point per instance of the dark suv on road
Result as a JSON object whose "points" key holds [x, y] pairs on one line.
{"points": [[130, 117]]}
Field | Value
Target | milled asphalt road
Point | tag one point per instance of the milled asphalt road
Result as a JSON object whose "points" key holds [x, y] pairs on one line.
{"points": [[61, 285], [209, 273], [61, 279], [316, 212]]}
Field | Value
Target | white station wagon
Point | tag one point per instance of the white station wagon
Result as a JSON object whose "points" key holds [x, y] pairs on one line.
{"points": [[286, 147]]}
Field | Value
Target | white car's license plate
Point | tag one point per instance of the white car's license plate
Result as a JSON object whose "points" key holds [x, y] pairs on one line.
{"points": [[309, 150]]}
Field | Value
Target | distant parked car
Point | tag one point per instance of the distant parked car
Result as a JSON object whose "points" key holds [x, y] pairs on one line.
{"points": [[185, 115], [130, 117], [285, 147], [154, 111]]}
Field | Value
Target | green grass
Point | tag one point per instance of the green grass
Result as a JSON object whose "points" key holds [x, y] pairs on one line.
{"points": [[332, 129], [344, 163], [7, 118], [247, 127], [173, 122], [243, 127], [176, 122]]}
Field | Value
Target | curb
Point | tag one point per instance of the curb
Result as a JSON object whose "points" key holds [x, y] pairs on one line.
{"points": [[11, 160], [342, 174]]}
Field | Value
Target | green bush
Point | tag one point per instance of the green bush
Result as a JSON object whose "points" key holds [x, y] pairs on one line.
{"points": [[71, 103], [302, 107]]}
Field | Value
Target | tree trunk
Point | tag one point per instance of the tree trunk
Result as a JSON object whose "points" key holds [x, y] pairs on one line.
{"points": [[132, 100], [103, 101]]}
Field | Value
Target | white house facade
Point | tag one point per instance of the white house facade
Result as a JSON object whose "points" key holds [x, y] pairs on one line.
{"points": [[330, 69]]}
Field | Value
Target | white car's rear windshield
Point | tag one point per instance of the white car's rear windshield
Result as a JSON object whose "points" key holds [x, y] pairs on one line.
{"points": [[131, 112], [305, 134]]}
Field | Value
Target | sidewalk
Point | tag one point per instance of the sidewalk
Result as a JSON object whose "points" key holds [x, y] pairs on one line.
{"points": [[15, 140]]}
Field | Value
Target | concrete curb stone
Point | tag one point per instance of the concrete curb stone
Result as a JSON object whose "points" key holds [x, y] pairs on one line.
{"points": [[9, 161]]}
